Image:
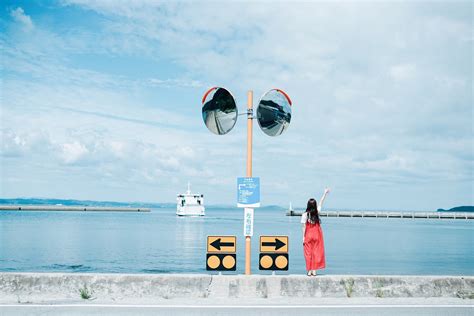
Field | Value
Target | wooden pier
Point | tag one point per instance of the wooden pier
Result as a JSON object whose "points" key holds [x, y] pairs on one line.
{"points": [[382, 214], [15, 207]]}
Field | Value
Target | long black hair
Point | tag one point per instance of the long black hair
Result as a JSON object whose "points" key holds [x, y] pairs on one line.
{"points": [[312, 211]]}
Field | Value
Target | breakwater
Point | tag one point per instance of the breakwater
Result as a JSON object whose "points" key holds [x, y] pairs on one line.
{"points": [[16, 207], [383, 214], [63, 287]]}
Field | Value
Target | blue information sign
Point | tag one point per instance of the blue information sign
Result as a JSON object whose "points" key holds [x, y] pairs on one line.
{"points": [[248, 192]]}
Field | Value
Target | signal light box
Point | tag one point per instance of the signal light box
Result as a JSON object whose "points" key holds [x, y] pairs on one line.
{"points": [[274, 253], [221, 253]]}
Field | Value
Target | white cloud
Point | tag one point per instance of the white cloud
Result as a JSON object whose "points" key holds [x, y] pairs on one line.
{"points": [[169, 83], [12, 144], [403, 72], [19, 15], [22, 143], [73, 152]]}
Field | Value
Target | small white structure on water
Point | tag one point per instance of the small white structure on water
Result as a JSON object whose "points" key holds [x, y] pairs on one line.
{"points": [[190, 204], [290, 210]]}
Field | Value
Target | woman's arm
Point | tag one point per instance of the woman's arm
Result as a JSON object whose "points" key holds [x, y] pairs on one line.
{"points": [[320, 206], [304, 231]]}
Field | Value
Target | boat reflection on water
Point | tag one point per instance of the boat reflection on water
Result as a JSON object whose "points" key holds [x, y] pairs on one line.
{"points": [[191, 236]]}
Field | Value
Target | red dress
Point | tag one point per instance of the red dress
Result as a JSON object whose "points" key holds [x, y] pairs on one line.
{"points": [[314, 247]]}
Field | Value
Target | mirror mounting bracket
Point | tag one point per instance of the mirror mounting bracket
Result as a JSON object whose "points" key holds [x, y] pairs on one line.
{"points": [[250, 114]]}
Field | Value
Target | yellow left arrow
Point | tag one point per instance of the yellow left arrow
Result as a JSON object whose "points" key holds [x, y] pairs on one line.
{"points": [[221, 243]]}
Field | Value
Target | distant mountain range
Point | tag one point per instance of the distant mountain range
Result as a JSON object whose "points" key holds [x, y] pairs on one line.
{"points": [[66, 202], [38, 201], [458, 209]]}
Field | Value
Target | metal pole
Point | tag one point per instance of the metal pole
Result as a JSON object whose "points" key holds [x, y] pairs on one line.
{"points": [[249, 169], [249, 132]]}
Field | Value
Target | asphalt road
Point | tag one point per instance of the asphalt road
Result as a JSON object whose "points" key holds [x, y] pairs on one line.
{"points": [[332, 310]]}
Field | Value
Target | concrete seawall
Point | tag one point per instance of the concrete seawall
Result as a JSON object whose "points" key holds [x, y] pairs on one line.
{"points": [[64, 287], [65, 208]]}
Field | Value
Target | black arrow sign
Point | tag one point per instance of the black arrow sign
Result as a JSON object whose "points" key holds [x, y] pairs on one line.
{"points": [[277, 244], [218, 244]]}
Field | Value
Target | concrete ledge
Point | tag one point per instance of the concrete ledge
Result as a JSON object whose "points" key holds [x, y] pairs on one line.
{"points": [[76, 208], [65, 287]]}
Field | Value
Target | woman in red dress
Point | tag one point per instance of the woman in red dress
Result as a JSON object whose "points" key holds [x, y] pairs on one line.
{"points": [[313, 242]]}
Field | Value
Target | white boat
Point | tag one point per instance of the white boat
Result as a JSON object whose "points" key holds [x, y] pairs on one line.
{"points": [[190, 204]]}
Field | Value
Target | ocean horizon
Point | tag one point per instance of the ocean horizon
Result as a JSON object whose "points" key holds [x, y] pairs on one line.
{"points": [[72, 202]]}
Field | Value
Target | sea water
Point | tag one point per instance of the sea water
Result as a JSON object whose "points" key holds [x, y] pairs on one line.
{"points": [[161, 242]]}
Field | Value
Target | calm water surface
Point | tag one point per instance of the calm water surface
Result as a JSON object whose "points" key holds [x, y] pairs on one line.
{"points": [[160, 242]]}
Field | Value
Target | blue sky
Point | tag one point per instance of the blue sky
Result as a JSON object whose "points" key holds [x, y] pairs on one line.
{"points": [[101, 100]]}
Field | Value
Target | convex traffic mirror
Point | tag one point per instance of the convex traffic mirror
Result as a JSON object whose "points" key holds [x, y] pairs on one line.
{"points": [[219, 110], [274, 112]]}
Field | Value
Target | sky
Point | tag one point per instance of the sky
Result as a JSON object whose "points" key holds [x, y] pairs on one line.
{"points": [[101, 100]]}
